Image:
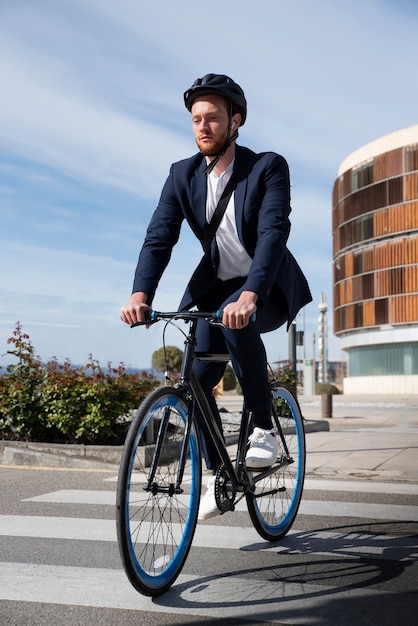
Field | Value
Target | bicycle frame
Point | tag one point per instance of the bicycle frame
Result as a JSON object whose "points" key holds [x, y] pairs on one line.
{"points": [[240, 478]]}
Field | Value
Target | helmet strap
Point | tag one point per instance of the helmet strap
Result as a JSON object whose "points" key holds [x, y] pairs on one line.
{"points": [[208, 169]]}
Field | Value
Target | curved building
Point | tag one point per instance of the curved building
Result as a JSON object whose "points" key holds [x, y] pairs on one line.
{"points": [[375, 253]]}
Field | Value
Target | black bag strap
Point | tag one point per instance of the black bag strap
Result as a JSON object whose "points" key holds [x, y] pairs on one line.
{"points": [[212, 227]]}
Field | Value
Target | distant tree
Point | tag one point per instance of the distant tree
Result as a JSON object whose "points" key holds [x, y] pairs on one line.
{"points": [[168, 358]]}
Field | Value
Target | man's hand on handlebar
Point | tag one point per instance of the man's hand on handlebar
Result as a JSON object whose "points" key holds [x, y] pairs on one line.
{"points": [[134, 311], [237, 314]]}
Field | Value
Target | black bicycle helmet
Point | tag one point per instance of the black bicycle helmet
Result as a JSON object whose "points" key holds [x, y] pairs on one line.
{"points": [[221, 85]]}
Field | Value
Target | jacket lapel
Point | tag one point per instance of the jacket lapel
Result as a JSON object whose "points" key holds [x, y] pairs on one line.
{"points": [[198, 195], [240, 169]]}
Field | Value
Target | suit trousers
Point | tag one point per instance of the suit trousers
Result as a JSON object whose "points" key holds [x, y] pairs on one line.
{"points": [[247, 355]]}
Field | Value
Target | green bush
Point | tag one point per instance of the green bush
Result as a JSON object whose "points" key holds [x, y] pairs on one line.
{"points": [[56, 402], [21, 412], [286, 375], [326, 389]]}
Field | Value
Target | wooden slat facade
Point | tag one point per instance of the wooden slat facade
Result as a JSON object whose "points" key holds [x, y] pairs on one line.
{"points": [[375, 242]]}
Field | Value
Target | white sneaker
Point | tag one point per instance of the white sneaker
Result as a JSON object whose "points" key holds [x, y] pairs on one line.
{"points": [[207, 507], [263, 448]]}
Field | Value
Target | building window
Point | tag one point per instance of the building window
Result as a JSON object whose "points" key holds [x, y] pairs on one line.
{"points": [[381, 311], [358, 262], [362, 176], [411, 158], [395, 190], [396, 280], [368, 286], [358, 315]]}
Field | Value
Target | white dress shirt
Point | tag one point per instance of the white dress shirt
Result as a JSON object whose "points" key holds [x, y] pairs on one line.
{"points": [[233, 258]]}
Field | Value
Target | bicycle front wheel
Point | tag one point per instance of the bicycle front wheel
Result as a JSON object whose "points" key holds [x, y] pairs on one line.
{"points": [[158, 491], [275, 502]]}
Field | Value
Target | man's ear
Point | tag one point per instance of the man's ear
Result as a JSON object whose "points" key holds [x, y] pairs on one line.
{"points": [[236, 121]]}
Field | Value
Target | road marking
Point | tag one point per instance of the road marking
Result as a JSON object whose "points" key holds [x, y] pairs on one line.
{"points": [[363, 486], [277, 601], [358, 486], [351, 544], [329, 508]]}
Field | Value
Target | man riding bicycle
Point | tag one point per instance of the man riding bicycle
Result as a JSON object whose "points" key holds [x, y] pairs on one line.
{"points": [[246, 266]]}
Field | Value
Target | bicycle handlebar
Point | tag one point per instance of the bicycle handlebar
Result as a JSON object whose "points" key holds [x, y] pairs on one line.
{"points": [[153, 316]]}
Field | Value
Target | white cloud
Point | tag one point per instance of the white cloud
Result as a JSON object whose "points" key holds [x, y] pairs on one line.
{"points": [[82, 139]]}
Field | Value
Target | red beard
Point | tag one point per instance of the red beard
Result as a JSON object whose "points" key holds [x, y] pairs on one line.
{"points": [[212, 147]]}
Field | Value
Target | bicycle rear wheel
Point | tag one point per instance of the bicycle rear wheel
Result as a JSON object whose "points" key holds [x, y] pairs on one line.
{"points": [[157, 514], [274, 504]]}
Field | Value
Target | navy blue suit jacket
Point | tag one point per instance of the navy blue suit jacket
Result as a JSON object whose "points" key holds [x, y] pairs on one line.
{"points": [[262, 208]]}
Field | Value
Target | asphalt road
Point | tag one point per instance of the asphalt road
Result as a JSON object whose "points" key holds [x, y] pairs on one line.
{"points": [[351, 557]]}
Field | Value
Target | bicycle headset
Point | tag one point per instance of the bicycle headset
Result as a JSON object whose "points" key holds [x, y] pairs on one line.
{"points": [[221, 85]]}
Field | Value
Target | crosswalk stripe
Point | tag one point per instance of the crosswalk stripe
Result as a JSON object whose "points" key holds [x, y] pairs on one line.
{"points": [[396, 512], [279, 601], [81, 529], [360, 486], [337, 484], [217, 537], [363, 510]]}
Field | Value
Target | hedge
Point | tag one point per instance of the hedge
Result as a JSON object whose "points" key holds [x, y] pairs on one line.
{"points": [[55, 402]]}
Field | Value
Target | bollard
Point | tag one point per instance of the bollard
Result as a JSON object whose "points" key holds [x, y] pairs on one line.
{"points": [[326, 405]]}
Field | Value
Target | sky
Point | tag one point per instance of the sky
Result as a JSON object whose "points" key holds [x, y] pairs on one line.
{"points": [[92, 116]]}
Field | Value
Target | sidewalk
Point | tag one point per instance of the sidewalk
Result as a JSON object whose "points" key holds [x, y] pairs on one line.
{"points": [[367, 437], [370, 437]]}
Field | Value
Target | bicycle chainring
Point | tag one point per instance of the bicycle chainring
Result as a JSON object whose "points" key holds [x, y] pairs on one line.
{"points": [[224, 492]]}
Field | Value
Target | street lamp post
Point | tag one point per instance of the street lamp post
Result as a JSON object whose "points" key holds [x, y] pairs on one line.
{"points": [[322, 339]]}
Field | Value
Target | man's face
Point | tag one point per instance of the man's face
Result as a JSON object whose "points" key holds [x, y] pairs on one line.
{"points": [[210, 123]]}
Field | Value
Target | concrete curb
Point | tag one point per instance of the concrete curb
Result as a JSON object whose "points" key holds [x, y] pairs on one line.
{"points": [[33, 454]]}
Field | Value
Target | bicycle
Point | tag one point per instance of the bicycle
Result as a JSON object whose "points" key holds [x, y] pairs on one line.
{"points": [[159, 483]]}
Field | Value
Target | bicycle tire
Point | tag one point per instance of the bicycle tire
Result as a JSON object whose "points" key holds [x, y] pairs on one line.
{"points": [[155, 530], [273, 513]]}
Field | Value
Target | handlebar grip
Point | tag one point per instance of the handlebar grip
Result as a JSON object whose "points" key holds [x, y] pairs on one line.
{"points": [[149, 318], [218, 316]]}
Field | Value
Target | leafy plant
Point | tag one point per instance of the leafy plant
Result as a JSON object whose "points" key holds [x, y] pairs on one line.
{"points": [[286, 375], [20, 391], [54, 402]]}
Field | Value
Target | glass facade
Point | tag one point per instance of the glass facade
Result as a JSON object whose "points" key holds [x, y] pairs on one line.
{"points": [[384, 360]]}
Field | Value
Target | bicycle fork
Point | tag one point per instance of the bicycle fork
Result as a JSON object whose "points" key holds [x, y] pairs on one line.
{"points": [[153, 486]]}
